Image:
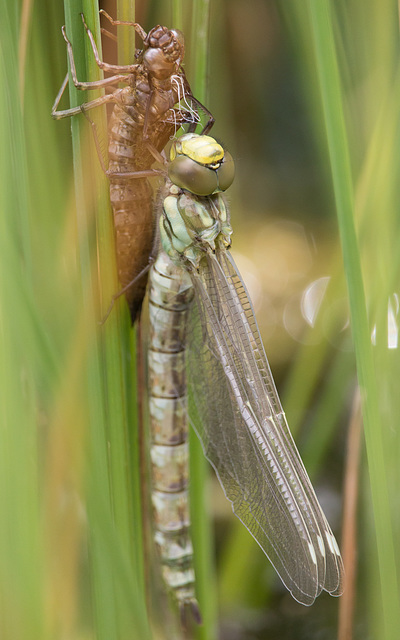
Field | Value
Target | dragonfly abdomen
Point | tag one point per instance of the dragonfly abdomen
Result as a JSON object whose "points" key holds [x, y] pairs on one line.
{"points": [[170, 299]]}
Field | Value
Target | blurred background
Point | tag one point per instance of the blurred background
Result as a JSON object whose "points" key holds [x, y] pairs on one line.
{"points": [[74, 559]]}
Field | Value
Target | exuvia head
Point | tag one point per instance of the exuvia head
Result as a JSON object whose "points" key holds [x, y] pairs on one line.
{"points": [[164, 53], [200, 165]]}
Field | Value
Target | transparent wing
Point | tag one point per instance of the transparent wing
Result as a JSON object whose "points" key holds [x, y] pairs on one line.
{"points": [[245, 436]]}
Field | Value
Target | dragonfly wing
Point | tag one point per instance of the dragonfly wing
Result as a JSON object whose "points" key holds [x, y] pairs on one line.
{"points": [[334, 570], [245, 436]]}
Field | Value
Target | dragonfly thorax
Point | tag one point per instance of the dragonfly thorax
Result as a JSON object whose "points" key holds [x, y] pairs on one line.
{"points": [[192, 225]]}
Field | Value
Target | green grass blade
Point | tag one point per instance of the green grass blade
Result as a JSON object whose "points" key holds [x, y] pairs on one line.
{"points": [[21, 565], [200, 48], [114, 476], [199, 468], [126, 35], [177, 14], [341, 174]]}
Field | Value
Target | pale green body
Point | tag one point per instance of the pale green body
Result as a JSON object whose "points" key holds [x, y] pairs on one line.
{"points": [[170, 297], [191, 223], [203, 327]]}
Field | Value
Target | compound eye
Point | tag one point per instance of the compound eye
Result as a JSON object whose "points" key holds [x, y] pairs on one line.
{"points": [[193, 177], [226, 172]]}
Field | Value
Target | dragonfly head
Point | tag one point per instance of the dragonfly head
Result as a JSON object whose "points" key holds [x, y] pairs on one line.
{"points": [[200, 165]]}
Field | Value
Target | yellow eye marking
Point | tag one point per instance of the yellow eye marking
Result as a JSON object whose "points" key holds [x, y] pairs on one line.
{"points": [[202, 149]]}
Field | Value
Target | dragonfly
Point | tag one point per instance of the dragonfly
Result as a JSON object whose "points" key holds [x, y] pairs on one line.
{"points": [[204, 336], [156, 101]]}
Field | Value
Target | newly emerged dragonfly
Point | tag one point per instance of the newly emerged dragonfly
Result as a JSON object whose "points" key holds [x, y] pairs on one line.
{"points": [[203, 328], [147, 113]]}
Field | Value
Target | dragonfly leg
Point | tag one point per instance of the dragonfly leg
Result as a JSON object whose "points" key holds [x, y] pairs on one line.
{"points": [[147, 173], [109, 34], [73, 111], [148, 109], [127, 68], [96, 139], [154, 152], [188, 612], [139, 30], [198, 104], [158, 157], [208, 113], [126, 288], [96, 84]]}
